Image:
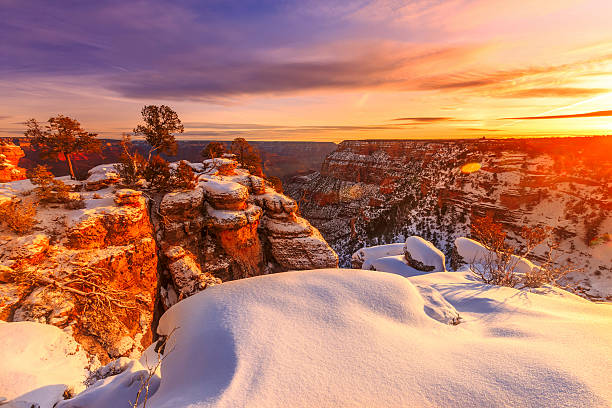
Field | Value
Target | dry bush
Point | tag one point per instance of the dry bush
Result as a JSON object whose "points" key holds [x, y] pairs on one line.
{"points": [[276, 183], [499, 266], [18, 216], [49, 190], [183, 178], [75, 203], [157, 173]]}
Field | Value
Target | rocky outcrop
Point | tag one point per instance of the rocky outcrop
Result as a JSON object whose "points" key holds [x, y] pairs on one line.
{"points": [[100, 271], [9, 163], [373, 192], [233, 225], [93, 274]]}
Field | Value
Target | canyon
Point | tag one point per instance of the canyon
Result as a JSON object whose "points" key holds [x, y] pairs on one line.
{"points": [[372, 192]]}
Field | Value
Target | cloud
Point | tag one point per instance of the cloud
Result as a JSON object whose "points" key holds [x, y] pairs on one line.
{"points": [[560, 92], [425, 119], [596, 114]]}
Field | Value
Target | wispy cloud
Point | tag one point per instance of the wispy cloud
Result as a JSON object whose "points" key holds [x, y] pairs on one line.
{"points": [[596, 114], [559, 92], [425, 119]]}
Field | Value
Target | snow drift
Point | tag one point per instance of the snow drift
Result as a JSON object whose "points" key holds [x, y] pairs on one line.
{"points": [[361, 338], [38, 362]]}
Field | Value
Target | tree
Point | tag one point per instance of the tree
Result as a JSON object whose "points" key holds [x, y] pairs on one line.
{"points": [[212, 150], [247, 155], [160, 122], [61, 138], [131, 165]]}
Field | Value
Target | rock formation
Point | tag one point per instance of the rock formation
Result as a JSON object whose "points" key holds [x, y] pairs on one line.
{"points": [[92, 272], [103, 272], [233, 225], [9, 160], [374, 192]]}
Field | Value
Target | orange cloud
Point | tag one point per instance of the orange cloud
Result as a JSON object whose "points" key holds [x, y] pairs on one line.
{"points": [[575, 115]]}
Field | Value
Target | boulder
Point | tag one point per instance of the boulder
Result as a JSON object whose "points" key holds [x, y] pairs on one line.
{"points": [[225, 195], [127, 196], [102, 176], [423, 255]]}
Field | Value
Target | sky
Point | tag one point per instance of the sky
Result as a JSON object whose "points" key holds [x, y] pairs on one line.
{"points": [[317, 70]]}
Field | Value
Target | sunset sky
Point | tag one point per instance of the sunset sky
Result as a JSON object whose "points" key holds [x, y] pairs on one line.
{"points": [[312, 70]]}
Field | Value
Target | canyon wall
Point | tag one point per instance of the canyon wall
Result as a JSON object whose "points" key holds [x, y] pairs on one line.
{"points": [[378, 191]]}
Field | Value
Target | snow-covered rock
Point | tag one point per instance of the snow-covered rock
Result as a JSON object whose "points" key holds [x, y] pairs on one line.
{"points": [[235, 226], [102, 176], [348, 338], [423, 255], [396, 264], [360, 257], [225, 194]]}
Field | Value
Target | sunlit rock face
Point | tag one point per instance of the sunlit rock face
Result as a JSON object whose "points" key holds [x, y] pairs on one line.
{"points": [[103, 272], [90, 271], [9, 159], [378, 192], [233, 225]]}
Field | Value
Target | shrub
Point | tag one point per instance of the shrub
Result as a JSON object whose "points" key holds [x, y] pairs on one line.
{"points": [[183, 178], [157, 173], [18, 216], [75, 203], [500, 265], [49, 190], [131, 165]]}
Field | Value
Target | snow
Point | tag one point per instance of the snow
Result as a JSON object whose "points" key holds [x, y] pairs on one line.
{"points": [[38, 362], [365, 254], [224, 188], [396, 264], [103, 172], [425, 252], [232, 218], [119, 390], [361, 338]]}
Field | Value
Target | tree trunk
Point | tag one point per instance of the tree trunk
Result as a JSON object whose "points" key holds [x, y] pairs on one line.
{"points": [[67, 156]]}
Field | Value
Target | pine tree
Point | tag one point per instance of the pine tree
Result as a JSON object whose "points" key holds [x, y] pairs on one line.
{"points": [[61, 138]]}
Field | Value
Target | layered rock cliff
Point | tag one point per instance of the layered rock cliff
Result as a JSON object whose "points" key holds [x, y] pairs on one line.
{"points": [[233, 225], [378, 192], [105, 269], [9, 163]]}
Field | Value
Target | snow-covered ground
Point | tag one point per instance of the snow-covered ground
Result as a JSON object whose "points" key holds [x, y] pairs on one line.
{"points": [[38, 362], [343, 337]]}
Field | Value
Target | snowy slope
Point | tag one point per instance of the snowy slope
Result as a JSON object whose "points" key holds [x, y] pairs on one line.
{"points": [[361, 338]]}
